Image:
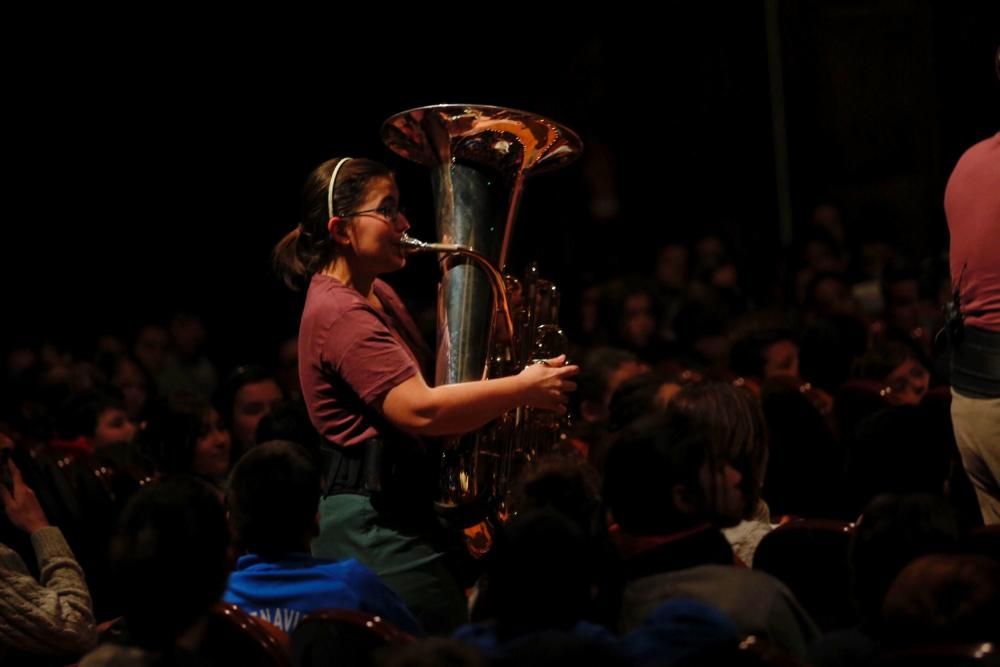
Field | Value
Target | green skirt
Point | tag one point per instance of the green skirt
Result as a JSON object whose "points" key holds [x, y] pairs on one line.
{"points": [[405, 558]]}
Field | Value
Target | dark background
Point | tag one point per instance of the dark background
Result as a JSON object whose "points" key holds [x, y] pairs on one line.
{"points": [[154, 167]]}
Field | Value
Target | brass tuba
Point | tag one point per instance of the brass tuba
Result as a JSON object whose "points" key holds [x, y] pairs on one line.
{"points": [[489, 325]]}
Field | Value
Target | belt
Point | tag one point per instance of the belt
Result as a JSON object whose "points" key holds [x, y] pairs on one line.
{"points": [[975, 363]]}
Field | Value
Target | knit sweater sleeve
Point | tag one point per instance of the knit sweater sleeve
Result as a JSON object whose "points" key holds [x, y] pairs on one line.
{"points": [[51, 617]]}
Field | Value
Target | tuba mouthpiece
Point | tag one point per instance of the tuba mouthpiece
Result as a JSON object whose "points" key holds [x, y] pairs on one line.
{"points": [[410, 244]]}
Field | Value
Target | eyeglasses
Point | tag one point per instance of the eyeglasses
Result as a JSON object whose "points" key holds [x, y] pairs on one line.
{"points": [[389, 213]]}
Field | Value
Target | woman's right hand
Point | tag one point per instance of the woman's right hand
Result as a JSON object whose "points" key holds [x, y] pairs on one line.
{"points": [[546, 383], [21, 504]]}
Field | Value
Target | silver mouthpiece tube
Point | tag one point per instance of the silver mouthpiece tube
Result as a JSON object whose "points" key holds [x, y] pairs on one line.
{"points": [[412, 245], [497, 284]]}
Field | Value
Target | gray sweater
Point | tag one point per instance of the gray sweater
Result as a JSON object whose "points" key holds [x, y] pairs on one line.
{"points": [[758, 603], [51, 617]]}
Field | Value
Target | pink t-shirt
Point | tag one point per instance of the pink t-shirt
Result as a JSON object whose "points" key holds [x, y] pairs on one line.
{"points": [[351, 354], [972, 206]]}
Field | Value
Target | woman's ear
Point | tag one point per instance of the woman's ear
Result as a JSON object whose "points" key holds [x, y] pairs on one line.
{"points": [[337, 227]]}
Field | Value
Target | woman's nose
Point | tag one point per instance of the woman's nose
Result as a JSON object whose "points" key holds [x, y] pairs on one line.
{"points": [[402, 222], [221, 439], [733, 476]]}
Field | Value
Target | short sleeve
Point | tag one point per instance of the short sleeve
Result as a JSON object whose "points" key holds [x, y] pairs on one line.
{"points": [[362, 350]]}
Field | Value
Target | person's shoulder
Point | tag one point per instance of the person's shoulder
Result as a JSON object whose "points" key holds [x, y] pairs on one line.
{"points": [[733, 572], [336, 569], [329, 299], [989, 143], [347, 580], [330, 289], [766, 589], [979, 161], [330, 588], [713, 575], [249, 562], [360, 576], [985, 149]]}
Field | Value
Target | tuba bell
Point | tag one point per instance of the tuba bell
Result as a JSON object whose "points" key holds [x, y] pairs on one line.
{"points": [[489, 324]]}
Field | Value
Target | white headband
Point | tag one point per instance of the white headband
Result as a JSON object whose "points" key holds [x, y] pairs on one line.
{"points": [[333, 181]]}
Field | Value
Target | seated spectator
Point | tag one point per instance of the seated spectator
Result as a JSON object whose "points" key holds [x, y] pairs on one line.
{"points": [[603, 369], [903, 378], [170, 558], [943, 598], [54, 616], [735, 421], [572, 488], [640, 396], [765, 354], [893, 531], [668, 484], [276, 579], [246, 396], [896, 450], [187, 437], [91, 421], [539, 583]]}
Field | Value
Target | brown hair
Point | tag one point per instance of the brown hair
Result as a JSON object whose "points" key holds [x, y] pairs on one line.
{"points": [[736, 421]]}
